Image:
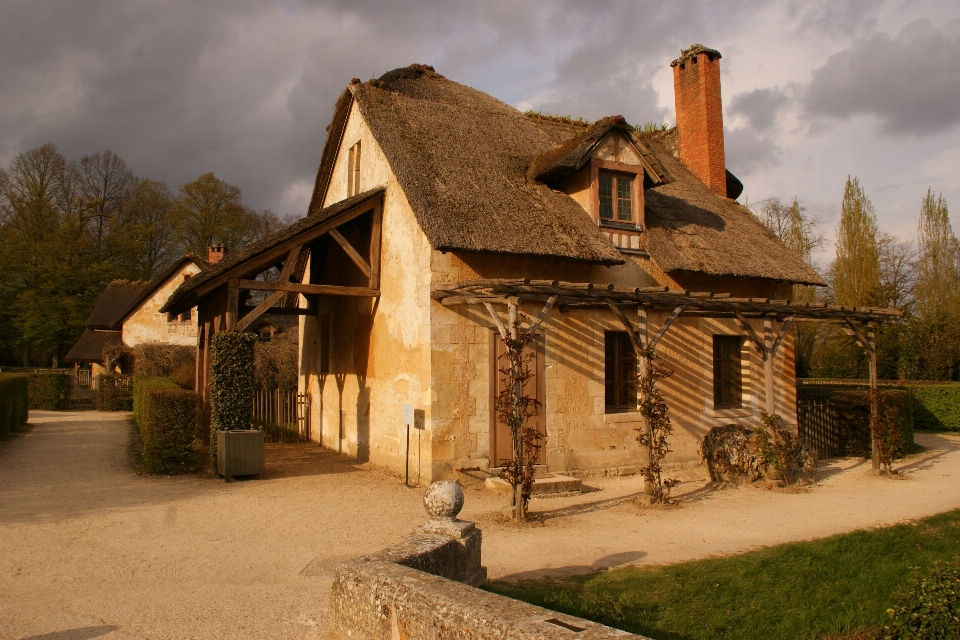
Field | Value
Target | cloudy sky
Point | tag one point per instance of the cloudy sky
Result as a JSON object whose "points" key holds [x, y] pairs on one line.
{"points": [[812, 90]]}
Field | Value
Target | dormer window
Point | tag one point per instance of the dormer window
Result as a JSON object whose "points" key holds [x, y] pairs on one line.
{"points": [[616, 197]]}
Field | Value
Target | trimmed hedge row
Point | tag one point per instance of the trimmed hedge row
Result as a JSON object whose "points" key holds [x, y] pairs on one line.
{"points": [[114, 394], [936, 407], [14, 402], [853, 417], [48, 391], [168, 419]]}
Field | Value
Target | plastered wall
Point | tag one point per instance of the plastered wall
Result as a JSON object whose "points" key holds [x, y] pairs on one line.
{"points": [[147, 324], [379, 349]]}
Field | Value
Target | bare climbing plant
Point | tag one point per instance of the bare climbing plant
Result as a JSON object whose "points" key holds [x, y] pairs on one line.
{"points": [[886, 435], [658, 429], [514, 409]]}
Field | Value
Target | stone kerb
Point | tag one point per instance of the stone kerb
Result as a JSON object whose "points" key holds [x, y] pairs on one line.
{"points": [[425, 589]]}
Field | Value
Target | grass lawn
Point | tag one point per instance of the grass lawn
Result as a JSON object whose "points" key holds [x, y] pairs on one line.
{"points": [[800, 590]]}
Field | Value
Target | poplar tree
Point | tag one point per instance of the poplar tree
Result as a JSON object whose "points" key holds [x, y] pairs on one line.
{"points": [[937, 282], [855, 272]]}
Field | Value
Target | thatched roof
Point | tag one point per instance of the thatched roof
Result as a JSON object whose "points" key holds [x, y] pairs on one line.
{"points": [[182, 297], [572, 154], [89, 348], [692, 229], [461, 157], [478, 175], [114, 304]]}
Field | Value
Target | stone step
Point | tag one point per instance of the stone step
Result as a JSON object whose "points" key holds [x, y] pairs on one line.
{"points": [[548, 484]]}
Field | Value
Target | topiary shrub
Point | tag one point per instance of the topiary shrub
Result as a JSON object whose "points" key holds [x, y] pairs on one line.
{"points": [[929, 608], [114, 393], [231, 383], [936, 407], [168, 420], [14, 402], [151, 359], [48, 391]]}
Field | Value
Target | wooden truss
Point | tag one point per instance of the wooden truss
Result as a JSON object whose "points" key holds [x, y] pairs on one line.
{"points": [[859, 322]]}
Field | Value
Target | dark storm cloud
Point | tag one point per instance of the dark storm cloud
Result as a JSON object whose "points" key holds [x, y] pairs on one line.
{"points": [[747, 151], [759, 107], [910, 82], [245, 88]]}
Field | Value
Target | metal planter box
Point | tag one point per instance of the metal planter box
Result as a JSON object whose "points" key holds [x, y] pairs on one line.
{"points": [[240, 453]]}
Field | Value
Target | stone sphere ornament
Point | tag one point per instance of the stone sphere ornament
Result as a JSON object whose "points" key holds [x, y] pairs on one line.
{"points": [[443, 500]]}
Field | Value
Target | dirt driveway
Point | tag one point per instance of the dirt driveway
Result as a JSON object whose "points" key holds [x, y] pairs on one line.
{"points": [[88, 549]]}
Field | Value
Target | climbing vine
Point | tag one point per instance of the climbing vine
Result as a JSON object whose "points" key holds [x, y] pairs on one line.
{"points": [[886, 435], [514, 409], [655, 436]]}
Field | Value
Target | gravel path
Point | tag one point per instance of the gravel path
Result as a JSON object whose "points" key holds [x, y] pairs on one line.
{"points": [[88, 549]]}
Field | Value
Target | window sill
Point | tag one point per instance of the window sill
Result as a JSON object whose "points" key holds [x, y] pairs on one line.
{"points": [[732, 412], [626, 416], [624, 226]]}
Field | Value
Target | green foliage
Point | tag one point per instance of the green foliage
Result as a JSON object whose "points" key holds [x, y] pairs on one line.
{"points": [[231, 384], [856, 270], [930, 347], [938, 281], [48, 391], [936, 407], [114, 393], [929, 608], [209, 212], [168, 419], [853, 415], [802, 591], [14, 402], [184, 376]]}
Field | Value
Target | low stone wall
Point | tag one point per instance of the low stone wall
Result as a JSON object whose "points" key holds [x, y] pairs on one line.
{"points": [[421, 590]]}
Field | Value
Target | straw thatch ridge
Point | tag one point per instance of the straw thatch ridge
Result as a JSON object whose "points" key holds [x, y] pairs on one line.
{"points": [[461, 158], [176, 301], [114, 304], [692, 229], [90, 346], [572, 154]]}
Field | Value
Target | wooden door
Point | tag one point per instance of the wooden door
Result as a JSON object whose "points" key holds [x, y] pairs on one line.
{"points": [[501, 443]]}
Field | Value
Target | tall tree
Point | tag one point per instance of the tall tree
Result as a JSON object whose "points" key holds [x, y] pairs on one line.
{"points": [[800, 233], [209, 212], [144, 238], [104, 183], [932, 334], [855, 272]]}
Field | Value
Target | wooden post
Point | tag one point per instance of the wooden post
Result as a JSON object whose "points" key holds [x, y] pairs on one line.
{"points": [[768, 365], [642, 367], [874, 400], [233, 303]]}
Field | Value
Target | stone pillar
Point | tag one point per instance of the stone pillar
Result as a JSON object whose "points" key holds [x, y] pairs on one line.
{"points": [[443, 500]]}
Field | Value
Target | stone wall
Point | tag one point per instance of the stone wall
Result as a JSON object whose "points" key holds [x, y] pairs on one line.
{"points": [[147, 324], [421, 590]]}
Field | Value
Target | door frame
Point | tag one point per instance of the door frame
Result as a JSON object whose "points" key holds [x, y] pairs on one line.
{"points": [[539, 342]]}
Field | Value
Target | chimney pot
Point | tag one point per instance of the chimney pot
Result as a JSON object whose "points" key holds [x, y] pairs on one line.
{"points": [[700, 115], [214, 255]]}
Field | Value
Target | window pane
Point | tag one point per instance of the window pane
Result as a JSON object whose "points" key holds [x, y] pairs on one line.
{"points": [[620, 372], [624, 201], [606, 197], [727, 374]]}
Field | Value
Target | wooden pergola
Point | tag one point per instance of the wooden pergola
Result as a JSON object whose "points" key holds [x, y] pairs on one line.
{"points": [[859, 322]]}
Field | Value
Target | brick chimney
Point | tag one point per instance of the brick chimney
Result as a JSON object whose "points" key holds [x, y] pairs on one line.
{"points": [[214, 255], [696, 88]]}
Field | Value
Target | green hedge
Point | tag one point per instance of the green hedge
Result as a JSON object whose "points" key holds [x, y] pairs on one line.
{"points": [[929, 607], [231, 384], [853, 414], [114, 393], [14, 402], [936, 407], [168, 419], [48, 391]]}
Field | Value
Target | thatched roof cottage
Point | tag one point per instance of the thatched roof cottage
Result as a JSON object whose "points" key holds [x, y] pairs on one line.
{"points": [[438, 210]]}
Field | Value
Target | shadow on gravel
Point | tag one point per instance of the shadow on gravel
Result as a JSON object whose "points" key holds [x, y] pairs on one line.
{"points": [[85, 633]]}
